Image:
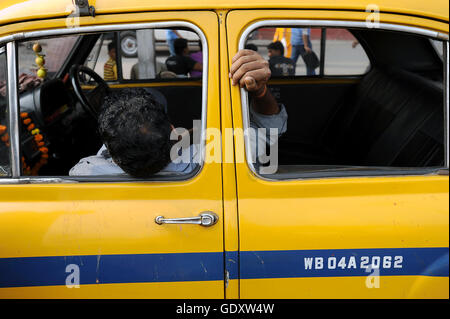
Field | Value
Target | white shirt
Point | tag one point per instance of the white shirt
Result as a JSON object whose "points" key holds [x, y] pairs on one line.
{"points": [[103, 164]]}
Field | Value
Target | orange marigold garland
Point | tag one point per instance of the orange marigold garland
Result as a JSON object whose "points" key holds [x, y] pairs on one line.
{"points": [[38, 139]]}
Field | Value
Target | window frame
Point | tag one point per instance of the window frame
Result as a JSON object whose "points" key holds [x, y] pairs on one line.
{"points": [[4, 51], [372, 171], [11, 43], [13, 102]]}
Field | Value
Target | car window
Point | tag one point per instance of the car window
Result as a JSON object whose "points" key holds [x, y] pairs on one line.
{"points": [[4, 136], [145, 54], [98, 55], [439, 47], [142, 54], [360, 119], [285, 50], [60, 133]]}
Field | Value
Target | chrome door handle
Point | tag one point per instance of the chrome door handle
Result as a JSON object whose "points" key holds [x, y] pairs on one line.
{"points": [[204, 219]]}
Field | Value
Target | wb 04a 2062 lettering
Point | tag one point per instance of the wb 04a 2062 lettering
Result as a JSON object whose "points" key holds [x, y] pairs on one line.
{"points": [[364, 262]]}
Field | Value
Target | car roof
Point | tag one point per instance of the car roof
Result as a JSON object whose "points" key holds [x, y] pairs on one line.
{"points": [[21, 10]]}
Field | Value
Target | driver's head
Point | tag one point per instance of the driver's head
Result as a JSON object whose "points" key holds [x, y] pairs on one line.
{"points": [[135, 129]]}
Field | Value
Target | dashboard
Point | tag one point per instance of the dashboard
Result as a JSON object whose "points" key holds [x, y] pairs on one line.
{"points": [[48, 102], [55, 131]]}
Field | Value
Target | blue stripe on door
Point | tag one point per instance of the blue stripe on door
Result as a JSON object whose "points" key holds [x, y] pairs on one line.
{"points": [[49, 271], [178, 267], [325, 263]]}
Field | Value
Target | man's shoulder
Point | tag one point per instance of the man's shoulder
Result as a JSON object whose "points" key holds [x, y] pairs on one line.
{"points": [[95, 165], [280, 59], [110, 62], [103, 164], [172, 60]]}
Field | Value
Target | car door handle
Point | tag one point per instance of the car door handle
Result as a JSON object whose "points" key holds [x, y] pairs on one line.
{"points": [[204, 219]]}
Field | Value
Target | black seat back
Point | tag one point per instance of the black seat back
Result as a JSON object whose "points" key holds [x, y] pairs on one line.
{"points": [[388, 121]]}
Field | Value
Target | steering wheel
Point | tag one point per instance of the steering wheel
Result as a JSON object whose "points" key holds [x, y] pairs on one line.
{"points": [[90, 101]]}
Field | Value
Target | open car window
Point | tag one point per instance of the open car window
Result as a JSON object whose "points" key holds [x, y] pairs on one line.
{"points": [[67, 82], [364, 108]]}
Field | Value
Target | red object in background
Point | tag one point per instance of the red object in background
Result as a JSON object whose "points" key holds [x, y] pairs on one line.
{"points": [[332, 34], [66, 77]]}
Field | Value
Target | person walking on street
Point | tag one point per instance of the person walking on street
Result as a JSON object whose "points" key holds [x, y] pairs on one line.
{"points": [[301, 46]]}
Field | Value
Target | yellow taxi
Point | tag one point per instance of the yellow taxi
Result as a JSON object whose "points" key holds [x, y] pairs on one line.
{"points": [[352, 201]]}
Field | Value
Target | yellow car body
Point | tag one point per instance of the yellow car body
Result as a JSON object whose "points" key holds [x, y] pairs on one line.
{"points": [[264, 226]]}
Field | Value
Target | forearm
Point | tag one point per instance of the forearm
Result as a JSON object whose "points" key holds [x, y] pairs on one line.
{"points": [[264, 103], [198, 66], [305, 40]]}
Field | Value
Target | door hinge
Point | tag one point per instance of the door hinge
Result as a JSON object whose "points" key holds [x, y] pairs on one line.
{"points": [[83, 9]]}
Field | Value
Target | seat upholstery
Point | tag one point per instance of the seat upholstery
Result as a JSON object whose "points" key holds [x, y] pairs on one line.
{"points": [[388, 120]]}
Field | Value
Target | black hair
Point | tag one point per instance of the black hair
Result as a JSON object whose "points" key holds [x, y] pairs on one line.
{"points": [[276, 46], [251, 46], [179, 45], [136, 131], [111, 45]]}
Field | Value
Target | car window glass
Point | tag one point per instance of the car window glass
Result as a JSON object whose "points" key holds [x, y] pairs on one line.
{"points": [[145, 54], [103, 58], [439, 47], [301, 51], [285, 50], [59, 125], [45, 56], [4, 136], [361, 119], [97, 55], [344, 54]]}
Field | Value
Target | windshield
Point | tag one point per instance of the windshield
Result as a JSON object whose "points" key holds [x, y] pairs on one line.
{"points": [[54, 51]]}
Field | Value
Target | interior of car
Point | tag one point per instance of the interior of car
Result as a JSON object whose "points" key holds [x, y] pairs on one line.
{"points": [[391, 115]]}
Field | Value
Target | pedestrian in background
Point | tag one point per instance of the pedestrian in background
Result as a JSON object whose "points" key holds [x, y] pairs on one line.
{"points": [[171, 36], [302, 46], [110, 67], [279, 64]]}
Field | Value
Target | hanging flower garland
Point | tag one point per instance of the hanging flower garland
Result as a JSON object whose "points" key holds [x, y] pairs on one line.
{"points": [[38, 139], [40, 61]]}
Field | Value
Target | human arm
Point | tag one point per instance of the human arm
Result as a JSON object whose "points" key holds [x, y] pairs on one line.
{"points": [[251, 71], [305, 37], [198, 66]]}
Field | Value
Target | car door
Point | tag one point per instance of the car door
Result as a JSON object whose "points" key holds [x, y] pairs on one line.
{"points": [[86, 239], [341, 236]]}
